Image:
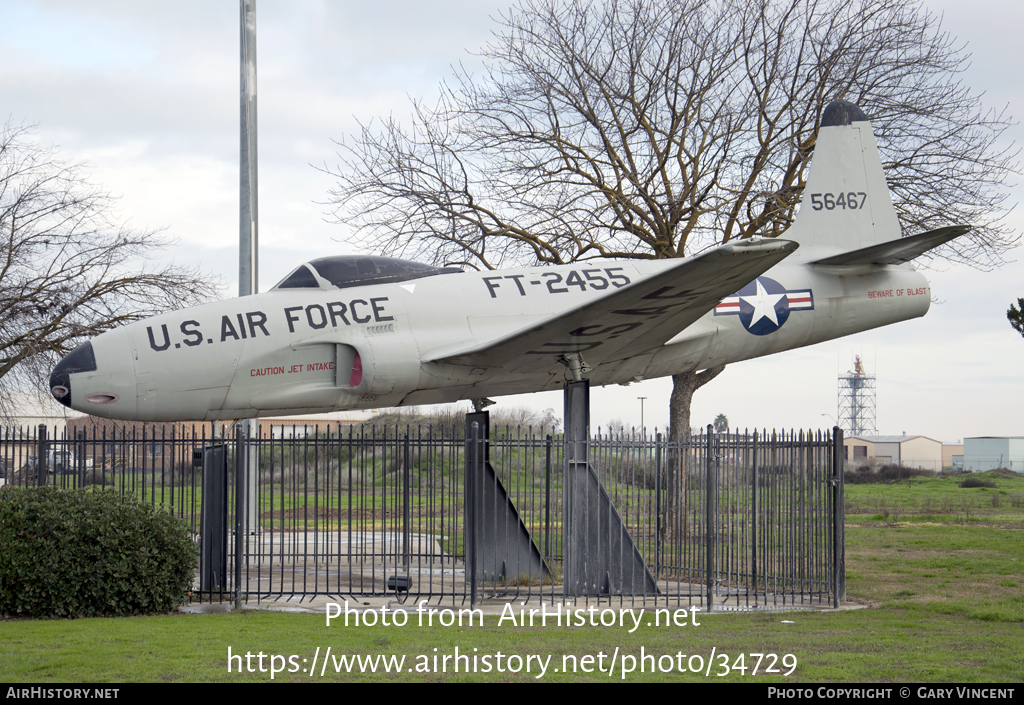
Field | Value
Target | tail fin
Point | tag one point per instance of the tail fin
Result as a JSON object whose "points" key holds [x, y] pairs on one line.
{"points": [[846, 203]]}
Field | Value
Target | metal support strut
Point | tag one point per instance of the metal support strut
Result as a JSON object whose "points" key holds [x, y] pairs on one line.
{"points": [[482, 403], [600, 556], [498, 544], [575, 364]]}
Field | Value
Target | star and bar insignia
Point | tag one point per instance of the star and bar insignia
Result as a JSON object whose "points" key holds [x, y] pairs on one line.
{"points": [[764, 305]]}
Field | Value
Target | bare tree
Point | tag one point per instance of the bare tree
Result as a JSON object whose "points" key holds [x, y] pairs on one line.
{"points": [[616, 428], [67, 270], [654, 128]]}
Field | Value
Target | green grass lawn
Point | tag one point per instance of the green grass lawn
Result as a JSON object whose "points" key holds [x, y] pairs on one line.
{"points": [[892, 643], [943, 577]]}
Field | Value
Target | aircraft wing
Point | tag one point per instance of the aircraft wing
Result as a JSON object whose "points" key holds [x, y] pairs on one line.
{"points": [[638, 318], [897, 251]]}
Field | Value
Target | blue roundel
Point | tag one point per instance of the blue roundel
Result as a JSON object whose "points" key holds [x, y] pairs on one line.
{"points": [[764, 306]]}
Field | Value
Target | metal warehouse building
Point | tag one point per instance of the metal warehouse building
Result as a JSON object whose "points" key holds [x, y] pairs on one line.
{"points": [[908, 451], [991, 452]]}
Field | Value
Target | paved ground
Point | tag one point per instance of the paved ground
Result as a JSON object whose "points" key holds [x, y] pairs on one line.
{"points": [[493, 605], [304, 572]]}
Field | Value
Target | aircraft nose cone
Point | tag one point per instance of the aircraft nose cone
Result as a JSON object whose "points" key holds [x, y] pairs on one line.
{"points": [[81, 359]]}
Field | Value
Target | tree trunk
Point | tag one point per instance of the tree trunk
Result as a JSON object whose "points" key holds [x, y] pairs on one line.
{"points": [[675, 523], [683, 387]]}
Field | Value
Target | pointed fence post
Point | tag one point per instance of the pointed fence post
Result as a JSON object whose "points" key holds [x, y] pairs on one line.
{"points": [[838, 520], [709, 517], [41, 470], [241, 452]]}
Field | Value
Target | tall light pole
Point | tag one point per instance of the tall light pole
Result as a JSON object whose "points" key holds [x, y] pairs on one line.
{"points": [[248, 215], [641, 416], [248, 219]]}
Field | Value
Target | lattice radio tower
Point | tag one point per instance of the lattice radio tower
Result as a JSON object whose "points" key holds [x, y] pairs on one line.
{"points": [[857, 401]]}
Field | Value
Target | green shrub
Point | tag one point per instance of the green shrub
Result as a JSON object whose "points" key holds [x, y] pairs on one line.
{"points": [[88, 553], [888, 474], [976, 482]]}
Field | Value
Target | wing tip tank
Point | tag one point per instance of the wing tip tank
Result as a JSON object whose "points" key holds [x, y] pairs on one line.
{"points": [[760, 245]]}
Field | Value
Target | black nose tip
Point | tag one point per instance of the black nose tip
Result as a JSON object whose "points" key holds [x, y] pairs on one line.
{"points": [[81, 359]]}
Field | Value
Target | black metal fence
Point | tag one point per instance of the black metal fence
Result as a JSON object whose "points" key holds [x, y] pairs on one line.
{"points": [[731, 520]]}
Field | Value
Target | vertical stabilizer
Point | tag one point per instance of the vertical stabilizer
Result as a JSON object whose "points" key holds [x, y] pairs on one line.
{"points": [[846, 203]]}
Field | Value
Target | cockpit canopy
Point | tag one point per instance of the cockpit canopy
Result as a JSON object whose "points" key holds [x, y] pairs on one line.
{"points": [[357, 270]]}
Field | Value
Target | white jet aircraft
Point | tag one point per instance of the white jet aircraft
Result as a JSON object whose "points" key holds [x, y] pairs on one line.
{"points": [[358, 332]]}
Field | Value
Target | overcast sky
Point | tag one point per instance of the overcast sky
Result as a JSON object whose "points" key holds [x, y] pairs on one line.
{"points": [[147, 94]]}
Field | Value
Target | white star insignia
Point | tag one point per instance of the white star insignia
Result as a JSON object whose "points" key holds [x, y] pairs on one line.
{"points": [[764, 304]]}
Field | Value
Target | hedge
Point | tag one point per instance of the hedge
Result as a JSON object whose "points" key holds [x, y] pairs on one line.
{"points": [[90, 553]]}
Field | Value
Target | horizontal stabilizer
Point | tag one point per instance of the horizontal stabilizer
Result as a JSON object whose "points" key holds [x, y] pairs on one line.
{"points": [[896, 251], [636, 319]]}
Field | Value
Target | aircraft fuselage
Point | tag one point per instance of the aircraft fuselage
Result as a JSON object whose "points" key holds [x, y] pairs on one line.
{"points": [[291, 351]]}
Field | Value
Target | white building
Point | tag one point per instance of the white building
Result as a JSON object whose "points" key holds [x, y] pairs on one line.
{"points": [[991, 452], [907, 451], [19, 426]]}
